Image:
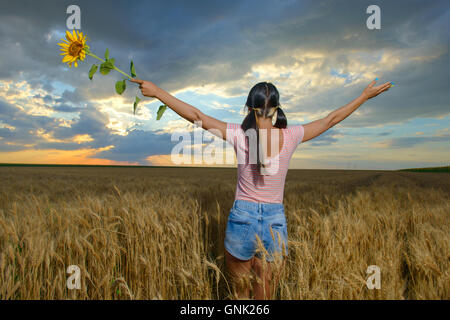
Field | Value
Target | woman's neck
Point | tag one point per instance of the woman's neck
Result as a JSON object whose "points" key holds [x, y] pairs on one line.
{"points": [[265, 123]]}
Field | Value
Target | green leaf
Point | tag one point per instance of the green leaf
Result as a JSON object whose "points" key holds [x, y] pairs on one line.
{"points": [[121, 86], [92, 71], [107, 54], [136, 101], [161, 110], [106, 67], [132, 69]]}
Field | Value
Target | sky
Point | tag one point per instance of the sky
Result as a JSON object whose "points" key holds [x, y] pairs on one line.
{"points": [[319, 54]]}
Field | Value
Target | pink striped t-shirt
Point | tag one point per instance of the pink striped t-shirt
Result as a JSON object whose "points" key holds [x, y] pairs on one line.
{"points": [[251, 186]]}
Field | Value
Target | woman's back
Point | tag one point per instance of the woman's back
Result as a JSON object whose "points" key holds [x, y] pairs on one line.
{"points": [[251, 185]]}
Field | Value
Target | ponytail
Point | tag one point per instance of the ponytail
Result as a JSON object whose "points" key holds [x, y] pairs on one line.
{"points": [[251, 122], [258, 160], [281, 119]]}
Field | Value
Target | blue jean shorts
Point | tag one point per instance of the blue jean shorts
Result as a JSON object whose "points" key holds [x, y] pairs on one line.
{"points": [[248, 219]]}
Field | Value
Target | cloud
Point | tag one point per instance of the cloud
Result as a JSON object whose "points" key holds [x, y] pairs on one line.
{"points": [[319, 54], [327, 138], [7, 110], [408, 142], [66, 108], [137, 146]]}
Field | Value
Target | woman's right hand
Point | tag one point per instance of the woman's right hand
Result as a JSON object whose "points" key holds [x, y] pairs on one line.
{"points": [[148, 88], [370, 91]]}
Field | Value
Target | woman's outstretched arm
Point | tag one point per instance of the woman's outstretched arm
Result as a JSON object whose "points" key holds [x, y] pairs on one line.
{"points": [[185, 110], [315, 128]]}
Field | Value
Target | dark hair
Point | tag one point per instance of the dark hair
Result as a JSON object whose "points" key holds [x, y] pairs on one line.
{"points": [[264, 98]]}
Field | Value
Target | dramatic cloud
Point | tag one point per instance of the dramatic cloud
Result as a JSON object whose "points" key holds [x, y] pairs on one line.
{"points": [[319, 54], [408, 142]]}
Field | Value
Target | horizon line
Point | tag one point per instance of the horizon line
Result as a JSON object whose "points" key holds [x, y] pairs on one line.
{"points": [[185, 167]]}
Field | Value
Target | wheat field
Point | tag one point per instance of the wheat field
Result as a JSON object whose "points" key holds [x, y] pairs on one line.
{"points": [[157, 233]]}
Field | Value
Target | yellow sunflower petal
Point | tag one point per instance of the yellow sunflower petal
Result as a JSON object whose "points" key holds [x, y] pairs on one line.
{"points": [[75, 37], [69, 36], [66, 59], [76, 64], [65, 45]]}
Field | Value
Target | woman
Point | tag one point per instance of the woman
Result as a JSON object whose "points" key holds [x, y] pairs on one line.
{"points": [[264, 150]]}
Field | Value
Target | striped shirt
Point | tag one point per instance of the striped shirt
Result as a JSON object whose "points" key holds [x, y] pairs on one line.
{"points": [[251, 186]]}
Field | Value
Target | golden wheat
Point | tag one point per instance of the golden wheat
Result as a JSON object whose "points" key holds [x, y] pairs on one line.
{"points": [[157, 233]]}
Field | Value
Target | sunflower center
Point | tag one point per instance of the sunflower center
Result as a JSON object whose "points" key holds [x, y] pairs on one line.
{"points": [[75, 48]]}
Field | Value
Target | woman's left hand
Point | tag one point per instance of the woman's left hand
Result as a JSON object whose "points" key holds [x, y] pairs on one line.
{"points": [[148, 88]]}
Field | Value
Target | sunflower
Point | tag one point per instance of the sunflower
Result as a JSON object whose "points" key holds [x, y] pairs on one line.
{"points": [[74, 48]]}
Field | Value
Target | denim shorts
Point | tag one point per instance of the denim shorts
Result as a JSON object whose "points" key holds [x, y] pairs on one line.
{"points": [[248, 219]]}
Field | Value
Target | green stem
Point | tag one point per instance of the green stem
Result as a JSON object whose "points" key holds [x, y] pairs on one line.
{"points": [[115, 68]]}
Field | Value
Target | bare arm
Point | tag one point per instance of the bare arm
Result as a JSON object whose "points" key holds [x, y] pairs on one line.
{"points": [[185, 110], [315, 128]]}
